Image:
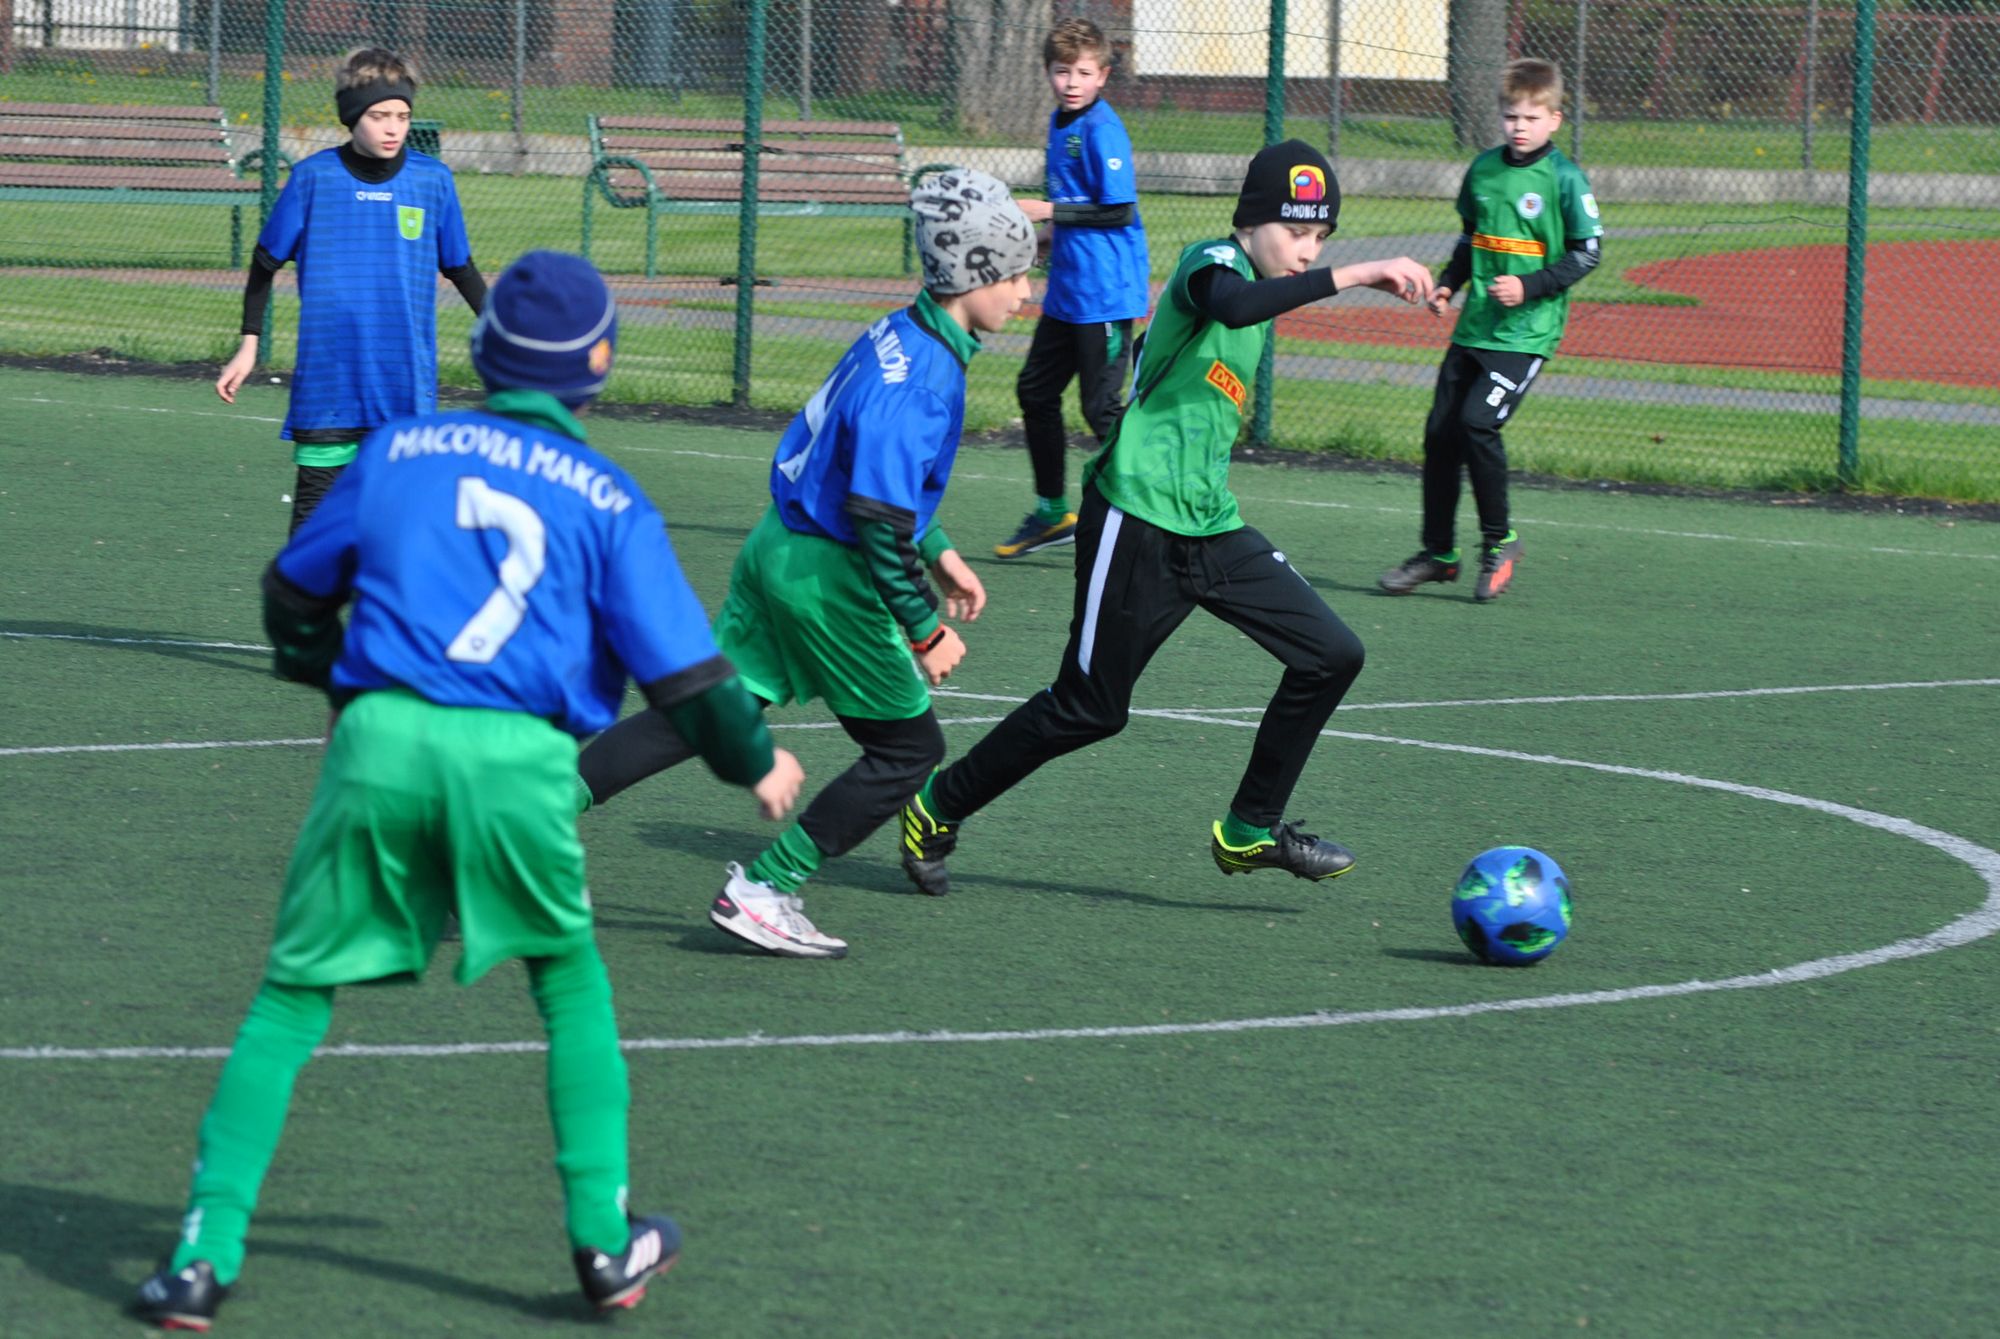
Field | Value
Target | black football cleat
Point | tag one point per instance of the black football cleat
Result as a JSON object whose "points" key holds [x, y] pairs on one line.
{"points": [[926, 843], [1290, 849], [181, 1299], [1496, 569], [1414, 571], [616, 1282]]}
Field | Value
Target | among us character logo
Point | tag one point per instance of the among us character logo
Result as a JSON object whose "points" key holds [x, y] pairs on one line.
{"points": [[1308, 183]]}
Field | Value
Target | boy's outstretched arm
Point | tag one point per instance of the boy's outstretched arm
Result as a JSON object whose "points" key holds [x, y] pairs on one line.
{"points": [[1397, 275]]}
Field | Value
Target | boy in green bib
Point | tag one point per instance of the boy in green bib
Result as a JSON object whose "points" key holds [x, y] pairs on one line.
{"points": [[1531, 232], [1159, 537]]}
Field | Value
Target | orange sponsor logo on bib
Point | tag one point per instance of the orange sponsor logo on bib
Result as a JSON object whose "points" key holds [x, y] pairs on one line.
{"points": [[1227, 382]]}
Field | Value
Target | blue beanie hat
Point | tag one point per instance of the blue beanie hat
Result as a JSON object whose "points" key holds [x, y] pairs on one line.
{"points": [[549, 324]]}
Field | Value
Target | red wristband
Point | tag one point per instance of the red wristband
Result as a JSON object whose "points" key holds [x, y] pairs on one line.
{"points": [[928, 642]]}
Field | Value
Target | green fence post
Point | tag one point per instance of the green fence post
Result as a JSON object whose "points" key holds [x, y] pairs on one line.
{"points": [[746, 218], [274, 112], [1274, 131], [1857, 241]]}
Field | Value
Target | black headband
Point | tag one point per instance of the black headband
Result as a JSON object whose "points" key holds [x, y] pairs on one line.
{"points": [[352, 102]]}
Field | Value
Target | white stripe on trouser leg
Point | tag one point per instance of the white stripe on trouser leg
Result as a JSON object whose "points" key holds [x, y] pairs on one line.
{"points": [[1093, 601]]}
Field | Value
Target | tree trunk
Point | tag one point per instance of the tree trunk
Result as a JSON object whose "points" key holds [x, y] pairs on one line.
{"points": [[996, 55], [1478, 50]]}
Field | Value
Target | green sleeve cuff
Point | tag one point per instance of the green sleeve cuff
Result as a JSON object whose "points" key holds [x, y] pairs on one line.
{"points": [[725, 725], [932, 546]]}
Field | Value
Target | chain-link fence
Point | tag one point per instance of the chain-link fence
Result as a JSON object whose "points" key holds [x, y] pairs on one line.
{"points": [[1707, 349]]}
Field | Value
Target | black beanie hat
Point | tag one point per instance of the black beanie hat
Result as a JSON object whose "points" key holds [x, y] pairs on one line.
{"points": [[1288, 183]]}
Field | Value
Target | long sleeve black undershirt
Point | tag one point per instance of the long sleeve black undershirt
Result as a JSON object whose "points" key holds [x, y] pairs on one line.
{"points": [[1224, 296], [1092, 216]]}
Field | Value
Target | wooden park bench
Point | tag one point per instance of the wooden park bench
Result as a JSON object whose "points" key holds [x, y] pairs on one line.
{"points": [[806, 169], [140, 155]]}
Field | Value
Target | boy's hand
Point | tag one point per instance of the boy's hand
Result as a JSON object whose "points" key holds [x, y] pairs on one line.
{"points": [[964, 596], [1400, 276], [1507, 290], [1440, 301], [779, 790], [1038, 211], [938, 662], [237, 370]]}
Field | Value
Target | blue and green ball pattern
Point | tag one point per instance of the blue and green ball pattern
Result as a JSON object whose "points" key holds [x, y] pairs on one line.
{"points": [[1511, 906]]}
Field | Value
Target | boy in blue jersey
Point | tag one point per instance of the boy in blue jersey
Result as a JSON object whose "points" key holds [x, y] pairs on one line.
{"points": [[828, 598], [506, 580], [369, 224], [1097, 277]]}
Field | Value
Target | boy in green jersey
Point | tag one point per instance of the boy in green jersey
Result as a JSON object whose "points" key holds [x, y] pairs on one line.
{"points": [[1531, 231], [1159, 536]]}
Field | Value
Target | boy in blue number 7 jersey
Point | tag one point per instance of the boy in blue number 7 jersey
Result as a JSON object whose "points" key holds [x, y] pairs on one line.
{"points": [[506, 580]]}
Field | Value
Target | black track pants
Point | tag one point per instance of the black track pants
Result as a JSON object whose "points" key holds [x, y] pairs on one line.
{"points": [[310, 486], [1097, 357], [1136, 583], [1477, 389], [896, 757]]}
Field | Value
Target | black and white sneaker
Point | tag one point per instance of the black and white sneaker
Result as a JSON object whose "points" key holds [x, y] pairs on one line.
{"points": [[615, 1282], [181, 1299], [1291, 849]]}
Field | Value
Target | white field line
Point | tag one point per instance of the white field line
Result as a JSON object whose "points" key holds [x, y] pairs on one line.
{"points": [[143, 409], [1015, 482], [1974, 925], [1162, 713]]}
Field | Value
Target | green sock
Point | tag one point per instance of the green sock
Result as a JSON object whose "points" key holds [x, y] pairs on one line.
{"points": [[1051, 510], [1237, 833], [584, 799], [245, 1118], [787, 862], [928, 800], [1450, 556], [588, 1094]]}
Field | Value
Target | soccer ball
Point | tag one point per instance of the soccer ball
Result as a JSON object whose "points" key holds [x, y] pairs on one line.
{"points": [[1511, 906]]}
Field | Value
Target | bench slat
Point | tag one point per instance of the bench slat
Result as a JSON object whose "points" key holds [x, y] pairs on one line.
{"points": [[828, 151], [770, 167], [106, 112], [113, 177], [731, 188], [133, 151], [687, 125], [22, 128]]}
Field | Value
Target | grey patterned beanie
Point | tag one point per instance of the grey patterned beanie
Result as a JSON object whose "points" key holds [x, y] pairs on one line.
{"points": [[969, 231]]}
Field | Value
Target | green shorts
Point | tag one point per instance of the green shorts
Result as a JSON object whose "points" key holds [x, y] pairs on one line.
{"points": [[802, 621], [323, 456], [423, 810]]}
